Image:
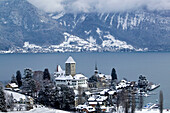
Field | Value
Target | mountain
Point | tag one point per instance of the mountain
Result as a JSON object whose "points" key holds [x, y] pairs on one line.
{"points": [[24, 28], [20, 22]]}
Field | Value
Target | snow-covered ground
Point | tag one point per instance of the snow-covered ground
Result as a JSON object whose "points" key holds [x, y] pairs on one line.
{"points": [[40, 110], [47, 110], [152, 111]]}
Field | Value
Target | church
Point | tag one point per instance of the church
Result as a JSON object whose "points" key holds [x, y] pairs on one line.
{"points": [[69, 76]]}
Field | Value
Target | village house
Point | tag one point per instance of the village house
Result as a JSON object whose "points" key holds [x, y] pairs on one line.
{"points": [[12, 86], [100, 98]]}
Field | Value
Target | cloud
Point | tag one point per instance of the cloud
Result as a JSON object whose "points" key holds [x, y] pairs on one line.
{"points": [[73, 6], [48, 5]]}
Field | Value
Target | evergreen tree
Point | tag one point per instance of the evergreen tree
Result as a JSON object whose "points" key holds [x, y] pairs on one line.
{"points": [[161, 102], [60, 97], [29, 86], [3, 107], [113, 74], [18, 77], [47, 95], [68, 96], [28, 73], [13, 79], [46, 74]]}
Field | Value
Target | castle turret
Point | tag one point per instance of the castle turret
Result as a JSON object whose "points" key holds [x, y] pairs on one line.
{"points": [[70, 66]]}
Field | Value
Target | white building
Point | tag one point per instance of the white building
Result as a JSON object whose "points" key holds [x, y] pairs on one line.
{"points": [[70, 79]]}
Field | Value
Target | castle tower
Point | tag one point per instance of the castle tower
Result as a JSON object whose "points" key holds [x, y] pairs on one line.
{"points": [[70, 66]]}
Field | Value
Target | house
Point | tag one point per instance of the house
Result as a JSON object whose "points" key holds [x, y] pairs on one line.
{"points": [[12, 86], [69, 77], [123, 84]]}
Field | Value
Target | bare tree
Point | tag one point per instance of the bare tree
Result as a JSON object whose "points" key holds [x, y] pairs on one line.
{"points": [[140, 102], [161, 101], [133, 106], [126, 101]]}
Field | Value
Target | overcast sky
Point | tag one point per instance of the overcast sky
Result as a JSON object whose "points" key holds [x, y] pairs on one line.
{"points": [[99, 5]]}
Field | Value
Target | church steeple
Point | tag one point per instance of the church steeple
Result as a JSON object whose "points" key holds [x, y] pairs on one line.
{"points": [[96, 70]]}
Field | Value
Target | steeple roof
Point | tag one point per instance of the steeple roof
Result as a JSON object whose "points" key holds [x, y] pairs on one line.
{"points": [[70, 60], [59, 69]]}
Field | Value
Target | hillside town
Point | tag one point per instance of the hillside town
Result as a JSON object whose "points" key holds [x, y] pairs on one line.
{"points": [[75, 92]]}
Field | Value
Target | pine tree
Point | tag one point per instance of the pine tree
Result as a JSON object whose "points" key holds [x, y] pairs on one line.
{"points": [[3, 107], [28, 73], [68, 96], [18, 77], [113, 74], [13, 79], [29, 86], [47, 95], [46, 74]]}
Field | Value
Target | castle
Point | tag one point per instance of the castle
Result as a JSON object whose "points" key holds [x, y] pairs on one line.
{"points": [[69, 76]]}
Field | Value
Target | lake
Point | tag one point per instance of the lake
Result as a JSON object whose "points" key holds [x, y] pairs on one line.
{"points": [[154, 65]]}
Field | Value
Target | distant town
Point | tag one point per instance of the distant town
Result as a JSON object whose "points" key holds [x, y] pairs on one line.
{"points": [[73, 92]]}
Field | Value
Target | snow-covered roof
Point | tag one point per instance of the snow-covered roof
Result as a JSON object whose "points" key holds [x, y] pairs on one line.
{"points": [[92, 98], [103, 107], [94, 103], [101, 98], [59, 69], [88, 93], [80, 76], [108, 77], [16, 89], [70, 60], [13, 85], [100, 75], [63, 77], [111, 92], [103, 92]]}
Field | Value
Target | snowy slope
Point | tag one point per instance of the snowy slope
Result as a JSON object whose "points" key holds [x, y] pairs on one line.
{"points": [[16, 95], [40, 110]]}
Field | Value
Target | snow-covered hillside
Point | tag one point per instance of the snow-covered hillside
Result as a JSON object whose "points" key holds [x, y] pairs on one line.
{"points": [[135, 30], [40, 110], [76, 44]]}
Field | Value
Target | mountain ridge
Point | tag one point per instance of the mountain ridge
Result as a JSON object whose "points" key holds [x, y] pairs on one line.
{"points": [[140, 30]]}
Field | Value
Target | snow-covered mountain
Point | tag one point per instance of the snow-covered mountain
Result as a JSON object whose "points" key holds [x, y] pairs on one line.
{"points": [[24, 28]]}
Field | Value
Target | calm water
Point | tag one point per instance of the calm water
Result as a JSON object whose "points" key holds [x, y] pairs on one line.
{"points": [[156, 66]]}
